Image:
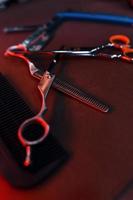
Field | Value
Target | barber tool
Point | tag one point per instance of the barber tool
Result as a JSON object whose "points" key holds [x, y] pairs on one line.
{"points": [[81, 16], [62, 85], [36, 42], [47, 156], [37, 125], [121, 43], [44, 33]]}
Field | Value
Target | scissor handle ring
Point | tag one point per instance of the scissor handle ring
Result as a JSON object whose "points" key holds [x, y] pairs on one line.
{"points": [[128, 53], [119, 40], [28, 126]]}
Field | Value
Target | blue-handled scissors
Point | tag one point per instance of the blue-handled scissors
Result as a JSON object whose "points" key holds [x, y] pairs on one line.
{"points": [[73, 15], [96, 17], [43, 34]]}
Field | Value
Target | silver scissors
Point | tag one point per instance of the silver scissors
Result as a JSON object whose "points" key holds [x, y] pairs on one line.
{"points": [[121, 43], [118, 42], [37, 127], [61, 85]]}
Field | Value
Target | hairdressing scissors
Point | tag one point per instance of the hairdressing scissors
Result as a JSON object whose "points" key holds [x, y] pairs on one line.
{"points": [[37, 127], [36, 42], [117, 42], [61, 85], [80, 16], [121, 43], [43, 34]]}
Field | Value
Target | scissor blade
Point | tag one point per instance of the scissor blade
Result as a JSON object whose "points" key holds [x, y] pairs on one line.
{"points": [[80, 95]]}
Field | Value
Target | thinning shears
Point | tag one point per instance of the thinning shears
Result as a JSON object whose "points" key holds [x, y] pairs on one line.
{"points": [[61, 85], [34, 130]]}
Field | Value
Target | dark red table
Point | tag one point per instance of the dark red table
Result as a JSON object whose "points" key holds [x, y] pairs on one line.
{"points": [[100, 145]]}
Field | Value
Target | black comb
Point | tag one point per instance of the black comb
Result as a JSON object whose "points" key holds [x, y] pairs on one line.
{"points": [[47, 156]]}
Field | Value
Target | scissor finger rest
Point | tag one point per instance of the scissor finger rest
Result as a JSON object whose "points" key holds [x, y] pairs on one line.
{"points": [[119, 41]]}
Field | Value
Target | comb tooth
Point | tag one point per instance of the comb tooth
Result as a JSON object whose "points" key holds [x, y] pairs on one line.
{"points": [[47, 153], [80, 95], [14, 102]]}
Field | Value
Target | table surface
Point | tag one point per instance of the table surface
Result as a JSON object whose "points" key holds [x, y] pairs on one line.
{"points": [[101, 164]]}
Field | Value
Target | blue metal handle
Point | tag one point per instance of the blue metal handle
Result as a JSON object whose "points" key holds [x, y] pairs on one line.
{"points": [[97, 17]]}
